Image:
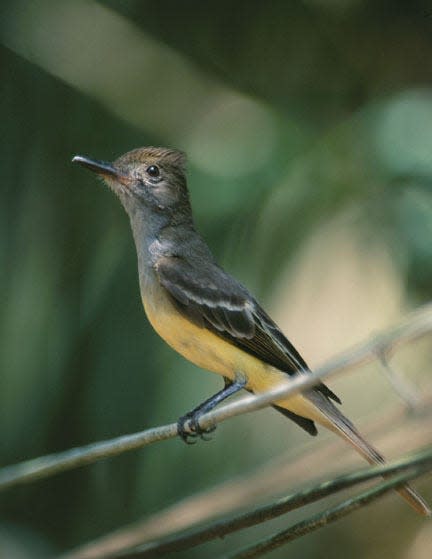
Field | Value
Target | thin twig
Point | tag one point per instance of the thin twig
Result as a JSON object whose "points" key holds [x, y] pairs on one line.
{"points": [[46, 466], [326, 517], [415, 327], [406, 390], [222, 528]]}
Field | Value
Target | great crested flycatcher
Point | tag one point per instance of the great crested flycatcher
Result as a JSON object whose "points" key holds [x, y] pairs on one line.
{"points": [[203, 312]]}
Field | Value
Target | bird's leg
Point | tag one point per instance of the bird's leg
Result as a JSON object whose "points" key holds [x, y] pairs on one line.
{"points": [[188, 425]]}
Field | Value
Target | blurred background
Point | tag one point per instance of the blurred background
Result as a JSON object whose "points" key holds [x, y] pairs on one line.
{"points": [[308, 128]]}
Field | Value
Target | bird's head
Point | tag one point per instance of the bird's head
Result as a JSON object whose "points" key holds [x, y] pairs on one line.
{"points": [[151, 179]]}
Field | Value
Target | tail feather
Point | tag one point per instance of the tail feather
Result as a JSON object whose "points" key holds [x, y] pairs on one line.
{"points": [[342, 426]]}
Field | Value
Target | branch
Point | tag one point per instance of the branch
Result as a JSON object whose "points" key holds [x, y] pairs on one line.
{"points": [[416, 326], [326, 517], [245, 490], [46, 466], [420, 462]]}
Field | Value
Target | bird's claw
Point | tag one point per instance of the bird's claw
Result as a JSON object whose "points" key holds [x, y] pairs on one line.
{"points": [[189, 429]]}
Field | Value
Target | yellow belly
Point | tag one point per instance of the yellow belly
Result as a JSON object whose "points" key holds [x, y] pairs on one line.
{"points": [[198, 345], [209, 351]]}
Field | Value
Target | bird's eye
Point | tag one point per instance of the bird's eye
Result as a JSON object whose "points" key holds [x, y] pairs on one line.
{"points": [[153, 171]]}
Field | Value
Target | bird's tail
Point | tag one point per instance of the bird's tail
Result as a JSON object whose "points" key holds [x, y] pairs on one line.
{"points": [[343, 427]]}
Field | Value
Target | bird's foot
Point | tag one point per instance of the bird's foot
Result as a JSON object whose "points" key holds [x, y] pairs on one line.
{"points": [[189, 429]]}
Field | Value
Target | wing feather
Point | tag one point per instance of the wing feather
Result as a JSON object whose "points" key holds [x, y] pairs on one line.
{"points": [[214, 300]]}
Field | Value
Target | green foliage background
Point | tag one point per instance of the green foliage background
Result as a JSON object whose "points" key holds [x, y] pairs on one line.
{"points": [[291, 113]]}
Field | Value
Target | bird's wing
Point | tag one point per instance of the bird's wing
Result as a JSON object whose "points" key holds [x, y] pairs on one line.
{"points": [[216, 301]]}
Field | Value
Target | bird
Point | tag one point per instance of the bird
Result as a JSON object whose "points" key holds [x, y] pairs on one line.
{"points": [[205, 314]]}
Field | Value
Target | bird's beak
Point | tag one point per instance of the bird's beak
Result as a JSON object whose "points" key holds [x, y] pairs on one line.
{"points": [[99, 167]]}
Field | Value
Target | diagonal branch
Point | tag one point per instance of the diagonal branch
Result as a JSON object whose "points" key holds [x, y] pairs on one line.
{"points": [[326, 517], [52, 464], [245, 490], [420, 462], [417, 325]]}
